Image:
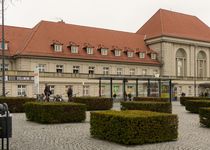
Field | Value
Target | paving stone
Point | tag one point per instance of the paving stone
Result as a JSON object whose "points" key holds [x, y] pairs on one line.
{"points": [[76, 136]]}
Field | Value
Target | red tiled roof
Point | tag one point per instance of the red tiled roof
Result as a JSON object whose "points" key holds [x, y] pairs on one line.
{"points": [[43, 35], [174, 24], [16, 38]]}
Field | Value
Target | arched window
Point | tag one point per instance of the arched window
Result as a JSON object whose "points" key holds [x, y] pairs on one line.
{"points": [[181, 67], [201, 64]]}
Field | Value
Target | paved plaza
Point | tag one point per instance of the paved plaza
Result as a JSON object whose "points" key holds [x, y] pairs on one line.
{"points": [[76, 136]]}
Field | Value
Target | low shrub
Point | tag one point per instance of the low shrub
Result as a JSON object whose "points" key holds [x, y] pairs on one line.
{"points": [[95, 103], [194, 105], [132, 127], [146, 105], [204, 115], [55, 112], [155, 99], [184, 99], [15, 104]]}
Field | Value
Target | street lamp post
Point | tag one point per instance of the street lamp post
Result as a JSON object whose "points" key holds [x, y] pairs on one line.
{"points": [[3, 47], [195, 76]]}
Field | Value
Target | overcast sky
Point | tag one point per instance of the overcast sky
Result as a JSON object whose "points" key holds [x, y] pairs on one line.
{"points": [[123, 15]]}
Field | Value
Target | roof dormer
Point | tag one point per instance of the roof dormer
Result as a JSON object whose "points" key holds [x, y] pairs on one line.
{"points": [[6, 45], [141, 54], [57, 46], [153, 55], [116, 50], [74, 48], [89, 48], [103, 49], [129, 52]]}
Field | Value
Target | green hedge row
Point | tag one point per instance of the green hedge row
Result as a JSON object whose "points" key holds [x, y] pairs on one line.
{"points": [[144, 105], [95, 103], [55, 112], [155, 99], [184, 99], [15, 104], [133, 126], [204, 114], [194, 105]]}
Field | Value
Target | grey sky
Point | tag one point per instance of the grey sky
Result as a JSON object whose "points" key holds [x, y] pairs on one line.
{"points": [[123, 15]]}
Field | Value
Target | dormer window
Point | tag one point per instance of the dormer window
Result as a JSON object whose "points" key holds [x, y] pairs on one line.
{"points": [[142, 55], [89, 50], [104, 51], [117, 52], [5, 45], [58, 47], [153, 56], [130, 54], [74, 49]]}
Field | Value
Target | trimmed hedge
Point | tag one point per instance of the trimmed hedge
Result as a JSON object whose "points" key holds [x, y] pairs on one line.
{"points": [[194, 105], [204, 114], [16, 104], [165, 107], [133, 126], [184, 99], [55, 112], [95, 103], [155, 99]]}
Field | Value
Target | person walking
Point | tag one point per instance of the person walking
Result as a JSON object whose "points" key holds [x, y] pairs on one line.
{"points": [[70, 94], [47, 92]]}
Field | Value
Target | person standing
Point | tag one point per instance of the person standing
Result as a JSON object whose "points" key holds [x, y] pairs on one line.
{"points": [[47, 92], [70, 94]]}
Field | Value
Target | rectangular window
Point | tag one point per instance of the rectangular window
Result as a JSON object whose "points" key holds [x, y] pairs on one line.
{"points": [[6, 67], [42, 67], [89, 50], [58, 48], [141, 55], [144, 71], [59, 68], [130, 89], [76, 69], [119, 71], [91, 69], [104, 51], [190, 91], [130, 54], [74, 49], [103, 90], [86, 90], [5, 46], [117, 52], [21, 90], [132, 71], [153, 56], [52, 89], [105, 70], [155, 72]]}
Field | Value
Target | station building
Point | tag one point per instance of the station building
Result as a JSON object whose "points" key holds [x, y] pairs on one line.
{"points": [[170, 44]]}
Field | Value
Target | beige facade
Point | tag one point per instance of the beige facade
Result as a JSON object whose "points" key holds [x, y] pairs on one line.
{"points": [[191, 82], [169, 44], [21, 76]]}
